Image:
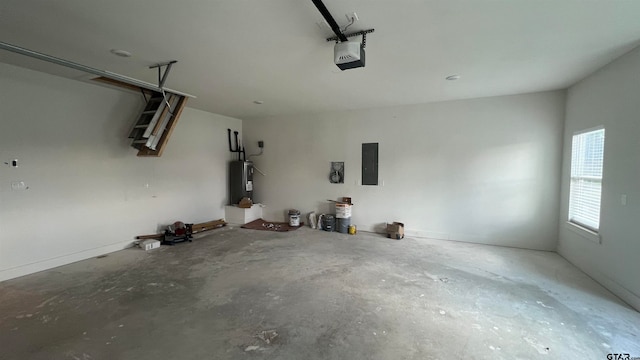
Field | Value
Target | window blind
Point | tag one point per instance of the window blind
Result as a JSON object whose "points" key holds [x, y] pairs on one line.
{"points": [[587, 154]]}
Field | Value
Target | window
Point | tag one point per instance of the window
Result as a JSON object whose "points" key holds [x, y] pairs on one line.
{"points": [[587, 153]]}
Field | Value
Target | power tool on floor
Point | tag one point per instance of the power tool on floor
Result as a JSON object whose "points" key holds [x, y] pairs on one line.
{"points": [[177, 233]]}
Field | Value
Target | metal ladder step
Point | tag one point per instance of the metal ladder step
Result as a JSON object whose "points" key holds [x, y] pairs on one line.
{"points": [[147, 118], [154, 120]]}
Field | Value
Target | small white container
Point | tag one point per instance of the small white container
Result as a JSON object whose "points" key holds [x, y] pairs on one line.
{"points": [[149, 244]]}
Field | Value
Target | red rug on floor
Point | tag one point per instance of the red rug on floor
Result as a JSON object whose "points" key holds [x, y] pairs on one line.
{"points": [[261, 224]]}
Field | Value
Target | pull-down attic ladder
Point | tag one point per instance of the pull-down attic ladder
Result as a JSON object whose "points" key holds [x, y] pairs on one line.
{"points": [[155, 124]]}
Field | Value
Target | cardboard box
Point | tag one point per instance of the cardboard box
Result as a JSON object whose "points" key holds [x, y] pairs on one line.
{"points": [[245, 203], [395, 230]]}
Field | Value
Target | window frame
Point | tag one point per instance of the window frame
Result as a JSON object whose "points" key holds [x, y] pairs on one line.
{"points": [[576, 226]]}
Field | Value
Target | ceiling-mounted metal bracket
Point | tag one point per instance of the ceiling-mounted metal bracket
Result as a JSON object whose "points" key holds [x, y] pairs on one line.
{"points": [[362, 33], [162, 77]]}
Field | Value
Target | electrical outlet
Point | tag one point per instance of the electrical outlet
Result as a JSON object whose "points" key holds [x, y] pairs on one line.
{"points": [[12, 163], [261, 144], [623, 200], [18, 185]]}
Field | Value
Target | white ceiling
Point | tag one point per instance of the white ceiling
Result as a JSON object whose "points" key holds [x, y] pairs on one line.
{"points": [[232, 52]]}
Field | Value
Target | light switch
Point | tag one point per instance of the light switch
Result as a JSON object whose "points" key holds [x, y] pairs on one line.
{"points": [[623, 199]]}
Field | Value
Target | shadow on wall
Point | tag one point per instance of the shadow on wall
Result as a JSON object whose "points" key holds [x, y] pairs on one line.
{"points": [[499, 178], [493, 196], [115, 134], [380, 228], [497, 184]]}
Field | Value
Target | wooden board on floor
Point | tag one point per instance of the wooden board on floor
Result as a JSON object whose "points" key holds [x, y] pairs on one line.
{"points": [[205, 226]]}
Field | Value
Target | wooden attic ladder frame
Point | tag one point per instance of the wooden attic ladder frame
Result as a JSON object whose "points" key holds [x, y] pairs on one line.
{"points": [[159, 117], [156, 122]]}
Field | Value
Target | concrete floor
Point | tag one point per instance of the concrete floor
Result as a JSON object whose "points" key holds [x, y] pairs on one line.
{"points": [[328, 296]]}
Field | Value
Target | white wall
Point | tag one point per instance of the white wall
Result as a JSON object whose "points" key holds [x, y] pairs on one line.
{"points": [[610, 97], [484, 170], [88, 191]]}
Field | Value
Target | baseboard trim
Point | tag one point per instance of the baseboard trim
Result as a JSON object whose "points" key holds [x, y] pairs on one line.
{"points": [[47, 264], [618, 290], [453, 237]]}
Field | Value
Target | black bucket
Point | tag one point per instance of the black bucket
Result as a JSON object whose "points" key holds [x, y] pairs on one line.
{"points": [[343, 225], [329, 223]]}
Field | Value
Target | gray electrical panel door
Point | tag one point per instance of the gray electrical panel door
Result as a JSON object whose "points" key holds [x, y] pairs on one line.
{"points": [[370, 164]]}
